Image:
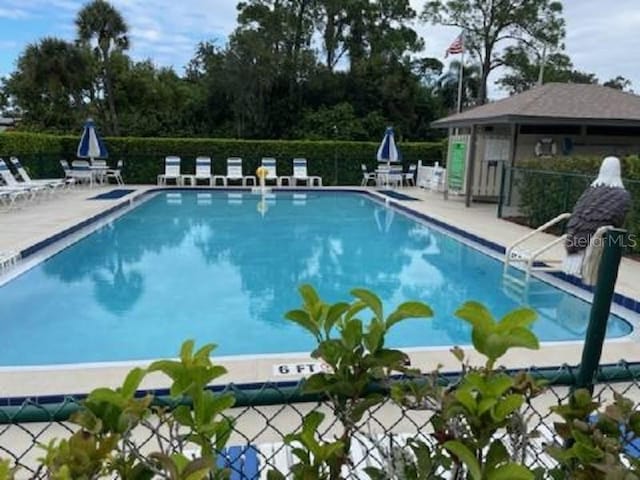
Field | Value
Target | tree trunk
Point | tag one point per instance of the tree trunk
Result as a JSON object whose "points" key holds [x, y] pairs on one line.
{"points": [[110, 96], [330, 37], [484, 75]]}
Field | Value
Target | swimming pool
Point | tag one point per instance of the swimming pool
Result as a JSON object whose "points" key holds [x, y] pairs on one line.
{"points": [[224, 267]]}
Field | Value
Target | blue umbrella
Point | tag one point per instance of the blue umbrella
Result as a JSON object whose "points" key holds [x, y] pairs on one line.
{"points": [[388, 151], [91, 145]]}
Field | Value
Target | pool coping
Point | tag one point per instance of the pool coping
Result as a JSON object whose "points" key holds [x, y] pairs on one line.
{"points": [[133, 199]]}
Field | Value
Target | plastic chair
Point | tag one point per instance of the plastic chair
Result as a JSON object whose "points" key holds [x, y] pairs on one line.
{"points": [[367, 176]]}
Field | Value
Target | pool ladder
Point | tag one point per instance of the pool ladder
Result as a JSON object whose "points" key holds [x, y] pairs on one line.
{"points": [[530, 257], [8, 260]]}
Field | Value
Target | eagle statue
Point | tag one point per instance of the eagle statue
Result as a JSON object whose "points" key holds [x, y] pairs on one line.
{"points": [[604, 203]]}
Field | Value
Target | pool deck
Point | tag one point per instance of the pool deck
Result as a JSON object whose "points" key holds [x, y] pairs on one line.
{"points": [[23, 228]]}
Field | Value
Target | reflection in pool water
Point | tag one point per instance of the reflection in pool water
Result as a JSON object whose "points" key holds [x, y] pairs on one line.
{"points": [[212, 266]]}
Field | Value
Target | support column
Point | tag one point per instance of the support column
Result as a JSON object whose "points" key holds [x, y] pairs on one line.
{"points": [[471, 166]]}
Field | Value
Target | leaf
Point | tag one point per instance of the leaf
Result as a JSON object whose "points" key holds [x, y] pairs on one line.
{"points": [[335, 312], [197, 469], [518, 318], [476, 314], [352, 333], [408, 310], [507, 406], [132, 382], [203, 356], [275, 475], [106, 395], [511, 471], [370, 299], [373, 339], [186, 351], [303, 319], [496, 455], [309, 295], [354, 309], [466, 456]]}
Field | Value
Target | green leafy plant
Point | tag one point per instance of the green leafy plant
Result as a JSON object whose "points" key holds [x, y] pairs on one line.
{"points": [[594, 442], [468, 416], [356, 356], [105, 443]]}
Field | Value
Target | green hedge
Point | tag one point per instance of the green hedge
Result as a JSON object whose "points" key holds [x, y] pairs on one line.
{"points": [[144, 157], [547, 188]]}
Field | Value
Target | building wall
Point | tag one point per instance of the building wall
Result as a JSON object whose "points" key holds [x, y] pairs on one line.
{"points": [[582, 145]]}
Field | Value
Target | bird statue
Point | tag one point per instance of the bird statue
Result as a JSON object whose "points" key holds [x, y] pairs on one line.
{"points": [[604, 203]]}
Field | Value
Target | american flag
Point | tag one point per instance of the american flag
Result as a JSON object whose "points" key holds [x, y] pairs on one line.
{"points": [[457, 46]]}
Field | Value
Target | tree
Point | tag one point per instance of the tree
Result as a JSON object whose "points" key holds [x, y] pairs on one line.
{"points": [[101, 23], [523, 69], [448, 84], [50, 87], [619, 83], [489, 23]]}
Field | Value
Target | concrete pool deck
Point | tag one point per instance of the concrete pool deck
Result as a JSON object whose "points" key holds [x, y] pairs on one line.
{"points": [[23, 228]]}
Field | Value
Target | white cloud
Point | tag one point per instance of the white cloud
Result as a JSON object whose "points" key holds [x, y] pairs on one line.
{"points": [[13, 13]]}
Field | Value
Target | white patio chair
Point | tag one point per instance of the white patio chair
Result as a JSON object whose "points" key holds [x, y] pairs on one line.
{"points": [[300, 173], [234, 172], [52, 183], [367, 176], [203, 171], [10, 183], [81, 171], [99, 169], [409, 178], [171, 171], [272, 175], [115, 173]]}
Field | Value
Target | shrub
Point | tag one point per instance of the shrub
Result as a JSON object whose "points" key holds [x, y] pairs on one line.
{"points": [[336, 162], [547, 189]]}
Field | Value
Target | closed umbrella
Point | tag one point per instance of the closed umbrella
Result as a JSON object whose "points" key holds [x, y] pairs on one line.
{"points": [[91, 145], [388, 151]]}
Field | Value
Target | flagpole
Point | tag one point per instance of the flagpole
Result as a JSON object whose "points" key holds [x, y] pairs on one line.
{"points": [[461, 74]]}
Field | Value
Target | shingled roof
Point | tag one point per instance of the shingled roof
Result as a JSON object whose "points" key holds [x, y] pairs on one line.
{"points": [[555, 102]]}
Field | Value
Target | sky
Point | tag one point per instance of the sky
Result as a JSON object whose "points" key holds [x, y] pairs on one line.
{"points": [[600, 38]]}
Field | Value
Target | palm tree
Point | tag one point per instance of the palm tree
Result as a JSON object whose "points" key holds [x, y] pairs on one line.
{"points": [[448, 85], [99, 21]]}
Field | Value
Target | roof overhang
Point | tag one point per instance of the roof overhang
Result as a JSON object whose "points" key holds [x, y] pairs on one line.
{"points": [[450, 122]]}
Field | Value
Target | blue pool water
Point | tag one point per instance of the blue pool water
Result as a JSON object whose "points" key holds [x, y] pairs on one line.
{"points": [[219, 268]]}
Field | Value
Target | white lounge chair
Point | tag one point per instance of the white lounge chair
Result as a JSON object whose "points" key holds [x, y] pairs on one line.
{"points": [[203, 172], [8, 196], [367, 176], [171, 171], [53, 183], [115, 173], [11, 184], [272, 175], [300, 173], [234, 172]]}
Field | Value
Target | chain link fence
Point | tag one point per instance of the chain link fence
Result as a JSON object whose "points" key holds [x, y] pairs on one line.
{"points": [[264, 414]]}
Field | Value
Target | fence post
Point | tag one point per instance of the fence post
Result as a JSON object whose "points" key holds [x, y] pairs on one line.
{"points": [[502, 187], [600, 308]]}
